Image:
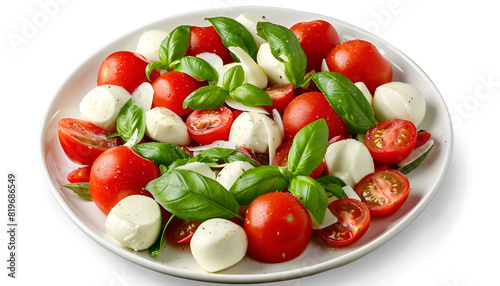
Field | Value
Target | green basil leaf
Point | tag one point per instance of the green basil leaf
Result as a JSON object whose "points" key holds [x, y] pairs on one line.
{"points": [[197, 67], [191, 196], [311, 194], [155, 66], [240, 156], [206, 97], [347, 100], [308, 148], [283, 42], [161, 153], [333, 185], [155, 249], [81, 189], [131, 117], [234, 34], [175, 45], [217, 152], [250, 95], [233, 78], [258, 181], [413, 165]]}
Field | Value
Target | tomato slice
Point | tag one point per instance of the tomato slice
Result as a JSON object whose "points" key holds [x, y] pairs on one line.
{"points": [[281, 159], [181, 231], [83, 141], [80, 175], [390, 141], [353, 221], [207, 126], [422, 137], [383, 191], [281, 95]]}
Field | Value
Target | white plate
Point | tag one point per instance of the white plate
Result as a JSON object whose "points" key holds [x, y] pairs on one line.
{"points": [[177, 260]]}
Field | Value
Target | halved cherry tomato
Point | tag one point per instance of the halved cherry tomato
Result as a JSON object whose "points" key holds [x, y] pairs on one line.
{"points": [[83, 141], [390, 141], [207, 126], [79, 175], [422, 137], [181, 231], [281, 95], [170, 90], [126, 69], [206, 40], [278, 227], [316, 38], [353, 221], [383, 191], [281, 159], [360, 60]]}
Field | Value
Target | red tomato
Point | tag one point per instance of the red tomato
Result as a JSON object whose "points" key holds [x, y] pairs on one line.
{"points": [[307, 108], [181, 231], [422, 137], [206, 40], [353, 221], [383, 191], [390, 141], [171, 88], [316, 38], [83, 141], [281, 95], [118, 173], [80, 175], [207, 126], [126, 69], [278, 227], [360, 60], [281, 159]]}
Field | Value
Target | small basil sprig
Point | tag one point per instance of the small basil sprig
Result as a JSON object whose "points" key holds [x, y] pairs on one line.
{"points": [[131, 119], [197, 67], [227, 155], [161, 153], [155, 249], [333, 185], [81, 189], [311, 194], [284, 43], [193, 197], [308, 148], [347, 100]]}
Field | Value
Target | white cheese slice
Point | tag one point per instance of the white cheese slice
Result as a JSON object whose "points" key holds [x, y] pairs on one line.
{"points": [[228, 175], [149, 44]]}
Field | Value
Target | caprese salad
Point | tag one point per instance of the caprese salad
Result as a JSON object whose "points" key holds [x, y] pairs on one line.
{"points": [[245, 138]]}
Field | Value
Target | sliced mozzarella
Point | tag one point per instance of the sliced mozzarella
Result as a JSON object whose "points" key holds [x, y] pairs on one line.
{"points": [[218, 244], [249, 130], [240, 106], [102, 104], [399, 100], [279, 122], [163, 125], [213, 59], [324, 66], [349, 160], [200, 168], [144, 93], [253, 72], [134, 222], [416, 153], [149, 44], [274, 69], [218, 143], [273, 142], [250, 22], [364, 90], [350, 193], [231, 172]]}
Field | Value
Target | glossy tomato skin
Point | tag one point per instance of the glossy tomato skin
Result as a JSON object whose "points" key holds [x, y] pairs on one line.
{"points": [[126, 69], [170, 90], [79, 175], [353, 221], [207, 126], [278, 227], [383, 191], [391, 141], [118, 173], [307, 108], [181, 231], [206, 40], [317, 38], [360, 60], [281, 95], [281, 159], [82, 141]]}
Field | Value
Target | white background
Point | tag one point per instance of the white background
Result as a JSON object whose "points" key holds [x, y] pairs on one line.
{"points": [[453, 242]]}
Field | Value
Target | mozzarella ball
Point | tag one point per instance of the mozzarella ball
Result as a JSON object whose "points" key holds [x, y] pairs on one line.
{"points": [[255, 131], [228, 175], [274, 69], [149, 44], [163, 125]]}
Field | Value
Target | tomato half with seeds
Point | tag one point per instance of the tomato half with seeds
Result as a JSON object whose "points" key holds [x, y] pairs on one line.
{"points": [[181, 231], [353, 221], [281, 95], [207, 126], [383, 191], [391, 141]]}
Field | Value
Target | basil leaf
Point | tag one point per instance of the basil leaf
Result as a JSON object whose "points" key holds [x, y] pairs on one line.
{"points": [[258, 181], [308, 148], [234, 34], [240, 156], [155, 249], [311, 194], [233, 78], [413, 165], [81, 189], [347, 100], [283, 42], [161, 153], [333, 185], [155, 66], [191, 196], [206, 97], [175, 45], [216, 152], [250, 95], [131, 118], [197, 67]]}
